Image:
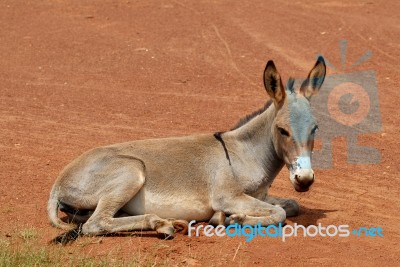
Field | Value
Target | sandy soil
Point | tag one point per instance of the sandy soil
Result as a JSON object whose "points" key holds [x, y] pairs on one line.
{"points": [[77, 76]]}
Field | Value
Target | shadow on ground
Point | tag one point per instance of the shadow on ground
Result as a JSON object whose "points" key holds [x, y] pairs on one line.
{"points": [[310, 216]]}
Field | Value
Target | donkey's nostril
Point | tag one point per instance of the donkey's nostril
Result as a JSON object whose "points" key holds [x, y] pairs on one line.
{"points": [[296, 177]]}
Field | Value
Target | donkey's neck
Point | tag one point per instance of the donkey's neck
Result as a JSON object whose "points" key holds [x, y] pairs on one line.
{"points": [[252, 148]]}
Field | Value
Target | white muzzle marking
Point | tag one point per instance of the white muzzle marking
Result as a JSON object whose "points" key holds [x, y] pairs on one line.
{"points": [[301, 173]]}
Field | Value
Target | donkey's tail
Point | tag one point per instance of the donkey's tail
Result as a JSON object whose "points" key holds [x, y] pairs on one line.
{"points": [[52, 209]]}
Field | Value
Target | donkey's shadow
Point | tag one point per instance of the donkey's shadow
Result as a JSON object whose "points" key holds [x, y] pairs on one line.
{"points": [[309, 216]]}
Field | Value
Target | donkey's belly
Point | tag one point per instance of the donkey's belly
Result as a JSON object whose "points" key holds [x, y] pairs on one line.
{"points": [[178, 206]]}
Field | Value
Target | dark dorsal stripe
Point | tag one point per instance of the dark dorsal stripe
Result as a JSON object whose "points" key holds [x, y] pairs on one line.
{"points": [[218, 136]]}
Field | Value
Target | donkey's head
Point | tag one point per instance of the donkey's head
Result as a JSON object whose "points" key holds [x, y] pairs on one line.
{"points": [[294, 126]]}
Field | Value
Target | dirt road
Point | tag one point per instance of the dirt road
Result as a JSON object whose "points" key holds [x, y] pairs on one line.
{"points": [[77, 76]]}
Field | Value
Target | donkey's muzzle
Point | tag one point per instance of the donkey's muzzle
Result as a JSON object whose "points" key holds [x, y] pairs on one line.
{"points": [[303, 179]]}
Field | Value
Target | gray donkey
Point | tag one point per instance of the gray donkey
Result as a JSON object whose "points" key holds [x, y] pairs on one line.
{"points": [[139, 185]]}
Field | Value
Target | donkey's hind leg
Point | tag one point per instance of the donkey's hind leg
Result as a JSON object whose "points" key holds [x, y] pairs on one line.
{"points": [[290, 206], [124, 182], [165, 227], [101, 224], [131, 223]]}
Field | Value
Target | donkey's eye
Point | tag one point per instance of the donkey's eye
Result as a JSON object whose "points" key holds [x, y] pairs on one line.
{"points": [[283, 131]]}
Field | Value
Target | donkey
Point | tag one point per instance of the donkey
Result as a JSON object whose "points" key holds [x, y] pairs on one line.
{"points": [[221, 178]]}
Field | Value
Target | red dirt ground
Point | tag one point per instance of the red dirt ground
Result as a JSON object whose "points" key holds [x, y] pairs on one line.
{"points": [[77, 76]]}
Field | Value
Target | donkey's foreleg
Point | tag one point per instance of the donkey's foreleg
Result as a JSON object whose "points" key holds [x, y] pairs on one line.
{"points": [[103, 222], [290, 206], [125, 179], [245, 209], [243, 219]]}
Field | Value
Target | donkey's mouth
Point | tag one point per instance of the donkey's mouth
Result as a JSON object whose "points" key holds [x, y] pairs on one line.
{"points": [[300, 188]]}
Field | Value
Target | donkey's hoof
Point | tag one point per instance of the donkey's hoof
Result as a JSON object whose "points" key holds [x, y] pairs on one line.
{"points": [[292, 208], [217, 219], [180, 226]]}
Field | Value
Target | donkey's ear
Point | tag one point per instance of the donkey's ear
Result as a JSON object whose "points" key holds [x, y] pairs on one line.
{"points": [[315, 79], [273, 84]]}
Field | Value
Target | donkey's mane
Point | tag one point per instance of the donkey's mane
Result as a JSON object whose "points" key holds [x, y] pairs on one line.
{"points": [[243, 121], [249, 117], [289, 85]]}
